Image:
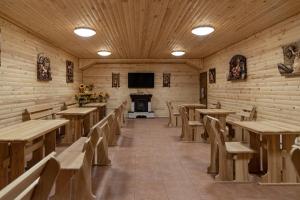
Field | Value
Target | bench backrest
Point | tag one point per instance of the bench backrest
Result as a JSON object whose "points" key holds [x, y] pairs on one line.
{"points": [[38, 112], [247, 113], [295, 156], [69, 104], [34, 184], [84, 176], [216, 105], [218, 132], [207, 120], [184, 117]]}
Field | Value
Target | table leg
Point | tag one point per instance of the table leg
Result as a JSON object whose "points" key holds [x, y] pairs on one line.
{"points": [[17, 159], [79, 127], [87, 124], [256, 160], [4, 164], [69, 131], [50, 142], [273, 174], [289, 173], [38, 151]]}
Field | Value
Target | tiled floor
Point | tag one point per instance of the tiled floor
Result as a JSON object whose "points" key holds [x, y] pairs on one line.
{"points": [[150, 163]]}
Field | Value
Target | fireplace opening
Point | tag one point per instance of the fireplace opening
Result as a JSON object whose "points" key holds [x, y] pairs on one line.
{"points": [[141, 106]]}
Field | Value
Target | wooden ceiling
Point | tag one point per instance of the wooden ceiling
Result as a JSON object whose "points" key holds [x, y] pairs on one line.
{"points": [[146, 28]]}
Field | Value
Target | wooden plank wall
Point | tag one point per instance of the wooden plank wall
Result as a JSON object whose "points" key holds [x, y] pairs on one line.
{"points": [[19, 87], [276, 97], [184, 83]]}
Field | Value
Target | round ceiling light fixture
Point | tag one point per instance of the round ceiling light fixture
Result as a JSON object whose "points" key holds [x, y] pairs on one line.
{"points": [[178, 53], [203, 30], [104, 53], [84, 31]]}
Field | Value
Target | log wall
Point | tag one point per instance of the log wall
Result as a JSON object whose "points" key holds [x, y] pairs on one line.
{"points": [[276, 97], [19, 87], [184, 83]]}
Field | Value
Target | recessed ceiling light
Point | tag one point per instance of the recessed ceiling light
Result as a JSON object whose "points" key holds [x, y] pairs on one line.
{"points": [[104, 53], [178, 53], [203, 30], [84, 31]]}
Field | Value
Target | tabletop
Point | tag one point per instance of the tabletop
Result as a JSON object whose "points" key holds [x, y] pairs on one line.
{"points": [[30, 130], [76, 111], [268, 127], [215, 111], [193, 105], [94, 105]]}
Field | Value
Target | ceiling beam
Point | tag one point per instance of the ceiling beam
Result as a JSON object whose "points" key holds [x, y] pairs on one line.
{"points": [[194, 63]]}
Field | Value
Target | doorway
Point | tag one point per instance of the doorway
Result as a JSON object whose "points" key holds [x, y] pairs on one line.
{"points": [[203, 88]]}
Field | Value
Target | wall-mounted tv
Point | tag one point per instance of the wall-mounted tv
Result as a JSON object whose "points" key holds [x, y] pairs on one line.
{"points": [[140, 80]]}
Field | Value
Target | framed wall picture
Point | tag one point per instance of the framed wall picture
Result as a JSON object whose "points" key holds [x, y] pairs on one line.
{"points": [[43, 68], [115, 80], [212, 75], [166, 79], [69, 71], [237, 68]]}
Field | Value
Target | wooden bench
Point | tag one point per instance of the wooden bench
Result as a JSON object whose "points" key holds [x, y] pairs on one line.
{"points": [[190, 129], [216, 105], [75, 180], [295, 156], [38, 112], [34, 184], [233, 156], [173, 115], [248, 113]]}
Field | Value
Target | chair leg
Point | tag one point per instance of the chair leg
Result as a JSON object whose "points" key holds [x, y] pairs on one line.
{"points": [[176, 121]]}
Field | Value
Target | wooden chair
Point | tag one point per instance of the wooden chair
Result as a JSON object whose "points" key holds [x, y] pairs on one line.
{"points": [[34, 184], [295, 156], [189, 132], [38, 112], [233, 156], [4, 166], [173, 115], [246, 114]]}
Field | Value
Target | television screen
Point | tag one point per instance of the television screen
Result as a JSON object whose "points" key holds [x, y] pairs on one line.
{"points": [[140, 80]]}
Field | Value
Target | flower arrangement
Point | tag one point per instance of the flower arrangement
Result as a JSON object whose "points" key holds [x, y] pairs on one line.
{"points": [[103, 96]]}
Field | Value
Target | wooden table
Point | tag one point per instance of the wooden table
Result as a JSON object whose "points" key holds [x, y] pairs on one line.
{"points": [[80, 122], [279, 138], [220, 114], [100, 112], [191, 107], [39, 132]]}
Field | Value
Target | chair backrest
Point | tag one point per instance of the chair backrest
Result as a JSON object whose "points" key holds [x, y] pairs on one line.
{"points": [[207, 120], [69, 104], [214, 105], [34, 184], [247, 113], [184, 116], [295, 156], [219, 133], [38, 112]]}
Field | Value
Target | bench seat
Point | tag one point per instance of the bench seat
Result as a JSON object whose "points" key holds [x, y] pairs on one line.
{"points": [[237, 148], [195, 123]]}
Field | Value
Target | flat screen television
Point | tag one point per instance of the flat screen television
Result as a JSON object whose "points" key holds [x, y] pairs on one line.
{"points": [[140, 80]]}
